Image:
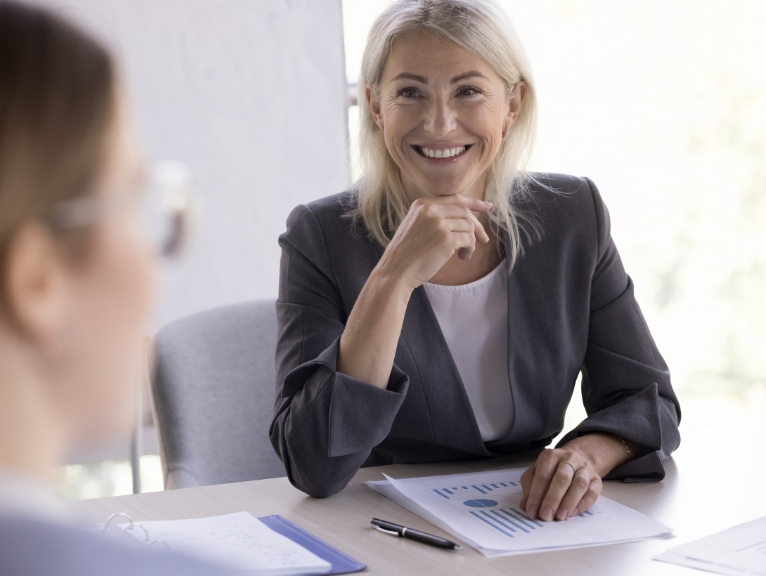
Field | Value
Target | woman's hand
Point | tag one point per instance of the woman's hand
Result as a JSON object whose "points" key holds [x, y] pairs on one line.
{"points": [[431, 233], [561, 483], [566, 481]]}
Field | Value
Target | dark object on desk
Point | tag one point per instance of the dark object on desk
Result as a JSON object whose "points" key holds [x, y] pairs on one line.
{"points": [[341, 563], [409, 533]]}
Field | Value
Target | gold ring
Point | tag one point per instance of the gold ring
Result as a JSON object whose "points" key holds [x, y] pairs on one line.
{"points": [[574, 470]]}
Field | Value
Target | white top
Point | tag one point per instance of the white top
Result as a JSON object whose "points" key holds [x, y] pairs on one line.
{"points": [[28, 497], [474, 320]]}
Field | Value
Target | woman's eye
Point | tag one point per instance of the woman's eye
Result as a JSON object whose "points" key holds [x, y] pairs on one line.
{"points": [[467, 91], [408, 92]]}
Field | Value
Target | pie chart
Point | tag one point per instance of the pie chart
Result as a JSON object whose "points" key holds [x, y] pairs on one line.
{"points": [[480, 503]]}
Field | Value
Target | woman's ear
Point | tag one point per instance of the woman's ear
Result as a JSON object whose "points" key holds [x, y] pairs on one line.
{"points": [[514, 105], [374, 105], [35, 285]]}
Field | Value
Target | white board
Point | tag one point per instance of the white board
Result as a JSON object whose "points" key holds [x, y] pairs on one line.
{"points": [[252, 95]]}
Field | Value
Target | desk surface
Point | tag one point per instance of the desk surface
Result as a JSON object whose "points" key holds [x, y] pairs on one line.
{"points": [[715, 481]]}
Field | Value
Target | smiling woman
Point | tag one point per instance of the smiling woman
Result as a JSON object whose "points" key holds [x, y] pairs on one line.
{"points": [[443, 308], [491, 68]]}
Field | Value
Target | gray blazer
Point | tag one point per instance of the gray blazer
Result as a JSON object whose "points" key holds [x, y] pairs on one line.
{"points": [[571, 308]]}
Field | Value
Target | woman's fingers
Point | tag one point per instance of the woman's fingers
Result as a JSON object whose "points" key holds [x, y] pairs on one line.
{"points": [[460, 212], [471, 203], [577, 489], [590, 497], [560, 484], [544, 472], [463, 231], [562, 480], [465, 244], [432, 232], [457, 201], [526, 484]]}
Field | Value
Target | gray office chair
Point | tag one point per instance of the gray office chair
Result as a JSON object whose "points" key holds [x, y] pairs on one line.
{"points": [[213, 389]]}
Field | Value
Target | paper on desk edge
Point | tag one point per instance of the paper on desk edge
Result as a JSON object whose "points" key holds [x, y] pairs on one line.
{"points": [[402, 500]]}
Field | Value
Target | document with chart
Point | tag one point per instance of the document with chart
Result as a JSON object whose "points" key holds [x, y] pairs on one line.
{"points": [[740, 550], [483, 511]]}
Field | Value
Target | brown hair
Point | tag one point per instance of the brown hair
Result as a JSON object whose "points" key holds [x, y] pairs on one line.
{"points": [[57, 107]]}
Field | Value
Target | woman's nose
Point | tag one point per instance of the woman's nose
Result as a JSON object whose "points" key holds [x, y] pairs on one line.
{"points": [[440, 119]]}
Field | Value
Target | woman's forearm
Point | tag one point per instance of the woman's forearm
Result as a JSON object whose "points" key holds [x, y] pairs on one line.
{"points": [[605, 451], [368, 343]]}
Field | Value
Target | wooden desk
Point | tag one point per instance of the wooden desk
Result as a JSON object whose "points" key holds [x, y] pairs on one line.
{"points": [[716, 480]]}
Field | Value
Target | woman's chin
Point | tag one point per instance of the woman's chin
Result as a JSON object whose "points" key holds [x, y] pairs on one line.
{"points": [[443, 193], [444, 188]]}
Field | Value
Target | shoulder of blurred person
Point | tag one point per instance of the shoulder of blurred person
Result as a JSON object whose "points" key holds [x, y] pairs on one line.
{"points": [[33, 547]]}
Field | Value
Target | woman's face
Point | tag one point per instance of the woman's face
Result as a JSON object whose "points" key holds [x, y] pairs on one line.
{"points": [[109, 295], [443, 112]]}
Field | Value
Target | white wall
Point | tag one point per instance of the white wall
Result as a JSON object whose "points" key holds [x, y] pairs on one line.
{"points": [[252, 95]]}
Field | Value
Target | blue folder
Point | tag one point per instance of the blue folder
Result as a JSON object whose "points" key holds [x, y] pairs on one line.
{"points": [[341, 563]]}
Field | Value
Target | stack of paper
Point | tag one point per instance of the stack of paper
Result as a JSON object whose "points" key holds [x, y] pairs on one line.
{"points": [[740, 550], [483, 511], [239, 541]]}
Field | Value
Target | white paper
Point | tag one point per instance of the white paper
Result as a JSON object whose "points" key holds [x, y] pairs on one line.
{"points": [[739, 550], [483, 511], [236, 540]]}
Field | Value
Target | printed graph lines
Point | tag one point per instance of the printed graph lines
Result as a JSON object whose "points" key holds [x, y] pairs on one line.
{"points": [[483, 489], [758, 548], [509, 521]]}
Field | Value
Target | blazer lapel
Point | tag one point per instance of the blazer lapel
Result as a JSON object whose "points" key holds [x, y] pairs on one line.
{"points": [[529, 354], [435, 376], [449, 408]]}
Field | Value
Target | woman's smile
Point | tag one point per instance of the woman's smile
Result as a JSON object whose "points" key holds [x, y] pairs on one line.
{"points": [[440, 154], [443, 112]]}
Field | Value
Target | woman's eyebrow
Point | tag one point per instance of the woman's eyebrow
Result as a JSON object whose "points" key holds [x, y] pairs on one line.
{"points": [[410, 76], [471, 74]]}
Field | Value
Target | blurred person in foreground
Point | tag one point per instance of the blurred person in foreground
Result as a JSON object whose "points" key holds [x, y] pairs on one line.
{"points": [[76, 284], [443, 307]]}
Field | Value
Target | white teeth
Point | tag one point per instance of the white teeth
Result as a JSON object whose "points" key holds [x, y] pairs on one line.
{"points": [[448, 153]]}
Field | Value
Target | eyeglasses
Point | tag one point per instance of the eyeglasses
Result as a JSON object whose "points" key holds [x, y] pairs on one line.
{"points": [[169, 208]]}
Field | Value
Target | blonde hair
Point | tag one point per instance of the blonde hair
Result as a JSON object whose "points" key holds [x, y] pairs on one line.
{"points": [[482, 28]]}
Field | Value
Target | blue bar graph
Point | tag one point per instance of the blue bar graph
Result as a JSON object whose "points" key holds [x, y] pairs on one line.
{"points": [[510, 522], [452, 492]]}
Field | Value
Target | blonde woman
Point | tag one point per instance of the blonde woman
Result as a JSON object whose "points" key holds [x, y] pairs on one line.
{"points": [[443, 308], [76, 286]]}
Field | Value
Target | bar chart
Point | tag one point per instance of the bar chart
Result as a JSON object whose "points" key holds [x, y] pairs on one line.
{"points": [[475, 490]]}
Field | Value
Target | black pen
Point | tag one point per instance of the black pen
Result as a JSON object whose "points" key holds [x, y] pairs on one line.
{"points": [[417, 535]]}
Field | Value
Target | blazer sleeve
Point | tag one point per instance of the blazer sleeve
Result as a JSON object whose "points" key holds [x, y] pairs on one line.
{"points": [[325, 423], [626, 385]]}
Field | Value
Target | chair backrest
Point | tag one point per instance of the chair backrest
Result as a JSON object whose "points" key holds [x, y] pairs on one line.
{"points": [[213, 388]]}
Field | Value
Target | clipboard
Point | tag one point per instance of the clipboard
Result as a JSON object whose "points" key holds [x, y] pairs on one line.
{"points": [[341, 563]]}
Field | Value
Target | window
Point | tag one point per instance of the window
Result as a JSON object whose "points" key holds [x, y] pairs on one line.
{"points": [[663, 105]]}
